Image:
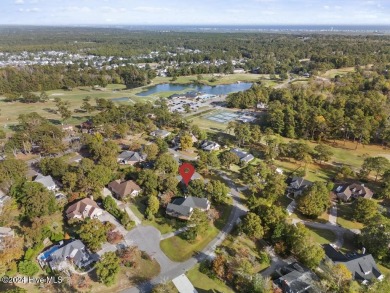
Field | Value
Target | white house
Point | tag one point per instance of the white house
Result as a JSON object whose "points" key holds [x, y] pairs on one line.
{"points": [[46, 181]]}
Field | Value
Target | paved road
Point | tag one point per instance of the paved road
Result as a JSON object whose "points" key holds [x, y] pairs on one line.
{"points": [[169, 269]]}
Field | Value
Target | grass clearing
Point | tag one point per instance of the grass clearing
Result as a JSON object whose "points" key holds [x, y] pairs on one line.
{"points": [[344, 216], [321, 236], [204, 283], [178, 249]]}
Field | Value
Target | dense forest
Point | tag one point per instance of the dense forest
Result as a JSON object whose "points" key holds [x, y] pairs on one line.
{"points": [[268, 53], [355, 106]]}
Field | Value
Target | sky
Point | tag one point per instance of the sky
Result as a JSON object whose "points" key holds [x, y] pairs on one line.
{"points": [[182, 12]]}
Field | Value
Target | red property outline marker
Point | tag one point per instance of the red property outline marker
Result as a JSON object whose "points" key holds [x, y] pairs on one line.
{"points": [[186, 171]]}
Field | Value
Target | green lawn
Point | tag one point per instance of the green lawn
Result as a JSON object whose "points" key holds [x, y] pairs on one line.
{"points": [[321, 236], [344, 216], [203, 283], [178, 249], [160, 222]]}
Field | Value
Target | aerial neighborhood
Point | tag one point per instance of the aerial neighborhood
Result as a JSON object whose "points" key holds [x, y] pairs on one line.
{"points": [[287, 186]]}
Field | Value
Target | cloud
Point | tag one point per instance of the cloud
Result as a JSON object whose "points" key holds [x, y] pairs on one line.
{"points": [[28, 10], [151, 9], [19, 2]]}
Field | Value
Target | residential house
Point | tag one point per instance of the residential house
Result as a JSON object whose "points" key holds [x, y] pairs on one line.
{"points": [[130, 158], [355, 190], [296, 185], [6, 232], [245, 157], [46, 181], [183, 208], [160, 133], [209, 146], [361, 265], [183, 284], [296, 278], [84, 208], [60, 257], [123, 189]]}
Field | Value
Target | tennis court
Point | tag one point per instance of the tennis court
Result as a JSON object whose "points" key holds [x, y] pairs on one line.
{"points": [[222, 117]]}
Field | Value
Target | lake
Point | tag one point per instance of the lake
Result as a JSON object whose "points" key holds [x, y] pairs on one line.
{"points": [[222, 89]]}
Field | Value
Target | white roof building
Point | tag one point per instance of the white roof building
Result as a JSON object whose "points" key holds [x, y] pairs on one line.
{"points": [[183, 284]]}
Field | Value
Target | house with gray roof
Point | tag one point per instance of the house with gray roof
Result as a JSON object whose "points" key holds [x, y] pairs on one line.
{"points": [[245, 157], [296, 278], [46, 181], [209, 146], [354, 190], [61, 256], [296, 185], [361, 265], [130, 158], [160, 133], [183, 208]]}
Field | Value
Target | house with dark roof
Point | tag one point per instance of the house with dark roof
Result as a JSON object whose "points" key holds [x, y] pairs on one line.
{"points": [[245, 157], [60, 257], [130, 158], [296, 278], [160, 133], [183, 208], [46, 181], [355, 190], [84, 208], [361, 265], [209, 146], [123, 189], [296, 185]]}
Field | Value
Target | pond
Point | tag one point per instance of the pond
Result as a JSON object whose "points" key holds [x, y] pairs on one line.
{"points": [[222, 89]]}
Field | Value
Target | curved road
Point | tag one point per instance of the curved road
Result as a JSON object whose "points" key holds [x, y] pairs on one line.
{"points": [[149, 240]]}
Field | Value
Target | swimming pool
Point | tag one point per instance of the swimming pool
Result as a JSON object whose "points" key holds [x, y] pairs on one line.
{"points": [[47, 253]]}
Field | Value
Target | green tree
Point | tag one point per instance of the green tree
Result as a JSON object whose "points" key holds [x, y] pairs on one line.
{"points": [[151, 151], [196, 188], [153, 206], [217, 191], [107, 268], [364, 209], [307, 251], [227, 158], [375, 237], [186, 142], [27, 268], [167, 164], [314, 200], [242, 132], [198, 224], [251, 226], [323, 153], [377, 164], [93, 233], [35, 199], [148, 179], [55, 167]]}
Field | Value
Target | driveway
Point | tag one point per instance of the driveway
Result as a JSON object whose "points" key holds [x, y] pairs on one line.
{"points": [[107, 217], [148, 239]]}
